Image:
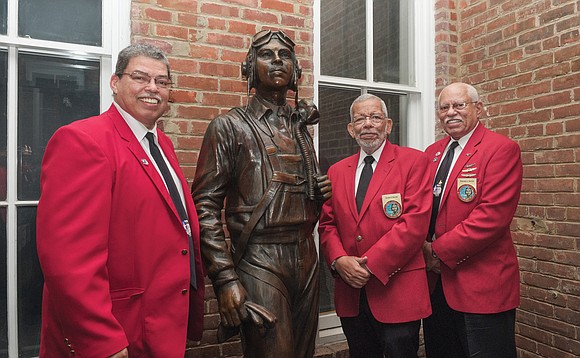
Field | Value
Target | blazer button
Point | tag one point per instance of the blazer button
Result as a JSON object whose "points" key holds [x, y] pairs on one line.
{"points": [[184, 252], [359, 238], [184, 291]]}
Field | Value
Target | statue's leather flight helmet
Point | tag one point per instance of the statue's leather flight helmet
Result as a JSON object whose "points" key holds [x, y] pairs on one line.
{"points": [[249, 65]]}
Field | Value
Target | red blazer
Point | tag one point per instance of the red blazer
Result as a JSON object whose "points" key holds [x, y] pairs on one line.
{"points": [[110, 245], [479, 270], [398, 290]]}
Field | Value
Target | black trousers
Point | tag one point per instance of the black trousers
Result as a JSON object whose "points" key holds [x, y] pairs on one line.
{"points": [[452, 334], [369, 338]]}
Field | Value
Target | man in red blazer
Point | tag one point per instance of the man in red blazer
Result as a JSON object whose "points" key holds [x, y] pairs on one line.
{"points": [[381, 290], [113, 247], [470, 256]]}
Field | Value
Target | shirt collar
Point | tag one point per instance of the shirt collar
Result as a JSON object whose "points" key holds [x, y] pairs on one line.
{"points": [[138, 128], [259, 107], [376, 154]]}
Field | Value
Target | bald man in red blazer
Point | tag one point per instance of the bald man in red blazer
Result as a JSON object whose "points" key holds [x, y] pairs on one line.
{"points": [[472, 263], [381, 244], [112, 247]]}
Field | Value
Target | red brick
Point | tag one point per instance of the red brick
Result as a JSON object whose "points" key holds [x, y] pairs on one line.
{"points": [[570, 37], [536, 35], [516, 107], [573, 125], [567, 82], [554, 128], [533, 89], [180, 96], [216, 24], [187, 19], [197, 112], [566, 53], [241, 27], [223, 100], [552, 99], [182, 5], [259, 16], [504, 71], [568, 199], [555, 14], [219, 39], [556, 185], [203, 52], [157, 15], [535, 116], [219, 69], [278, 5], [571, 170], [169, 31], [568, 141], [220, 10], [554, 156]]}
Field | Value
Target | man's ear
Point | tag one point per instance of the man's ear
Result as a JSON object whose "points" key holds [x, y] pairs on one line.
{"points": [[350, 129], [389, 126]]}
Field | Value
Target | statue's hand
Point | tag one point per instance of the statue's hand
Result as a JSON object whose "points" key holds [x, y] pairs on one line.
{"points": [[308, 111], [231, 298], [323, 189]]}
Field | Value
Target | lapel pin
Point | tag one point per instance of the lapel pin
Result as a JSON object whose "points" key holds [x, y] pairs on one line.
{"points": [[144, 161]]}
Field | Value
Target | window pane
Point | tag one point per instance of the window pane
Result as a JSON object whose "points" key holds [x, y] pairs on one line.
{"points": [[30, 281], [397, 107], [343, 38], [73, 21], [3, 16], [3, 286], [392, 44], [3, 130], [52, 92]]}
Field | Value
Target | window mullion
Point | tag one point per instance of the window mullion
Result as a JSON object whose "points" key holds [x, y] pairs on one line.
{"points": [[11, 217]]}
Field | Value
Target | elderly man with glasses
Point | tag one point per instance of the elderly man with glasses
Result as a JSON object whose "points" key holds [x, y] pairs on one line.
{"points": [[371, 232], [258, 161]]}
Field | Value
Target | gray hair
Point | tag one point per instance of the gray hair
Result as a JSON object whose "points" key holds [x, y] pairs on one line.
{"points": [[366, 97], [471, 91], [137, 50]]}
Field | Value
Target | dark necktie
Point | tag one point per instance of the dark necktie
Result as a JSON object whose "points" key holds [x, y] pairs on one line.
{"points": [[172, 188], [365, 179], [439, 185]]}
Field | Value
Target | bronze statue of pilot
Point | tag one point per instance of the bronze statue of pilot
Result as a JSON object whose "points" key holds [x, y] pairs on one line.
{"points": [[259, 162]]}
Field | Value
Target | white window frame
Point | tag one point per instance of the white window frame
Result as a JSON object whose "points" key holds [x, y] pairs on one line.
{"points": [[116, 15], [419, 130]]}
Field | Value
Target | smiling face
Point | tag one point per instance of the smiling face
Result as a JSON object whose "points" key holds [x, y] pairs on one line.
{"points": [[458, 122], [369, 135], [274, 66], [145, 102]]}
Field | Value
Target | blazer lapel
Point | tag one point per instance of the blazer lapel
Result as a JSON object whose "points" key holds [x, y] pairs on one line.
{"points": [[349, 176], [141, 157], [380, 174], [466, 154]]}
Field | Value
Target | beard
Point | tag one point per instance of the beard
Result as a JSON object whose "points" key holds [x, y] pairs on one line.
{"points": [[370, 145]]}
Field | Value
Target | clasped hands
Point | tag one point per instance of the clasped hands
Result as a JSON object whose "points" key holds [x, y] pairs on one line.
{"points": [[432, 262], [353, 270]]}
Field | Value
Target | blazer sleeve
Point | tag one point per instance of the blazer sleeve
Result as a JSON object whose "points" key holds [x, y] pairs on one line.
{"points": [[330, 241], [399, 245], [490, 219], [72, 237]]}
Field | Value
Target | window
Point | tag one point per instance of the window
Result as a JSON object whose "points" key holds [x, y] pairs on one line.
{"points": [[55, 61], [383, 47]]}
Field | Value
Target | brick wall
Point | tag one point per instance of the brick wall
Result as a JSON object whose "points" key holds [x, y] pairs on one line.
{"points": [[523, 56], [206, 41]]}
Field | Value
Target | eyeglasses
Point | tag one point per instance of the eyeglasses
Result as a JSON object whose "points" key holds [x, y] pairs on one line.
{"points": [[444, 108], [375, 119], [144, 78], [264, 36]]}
